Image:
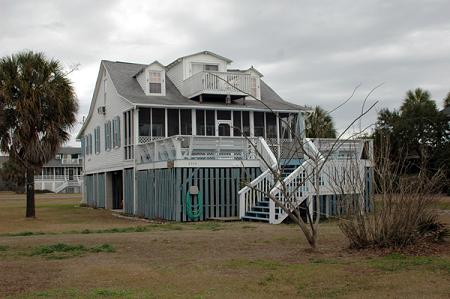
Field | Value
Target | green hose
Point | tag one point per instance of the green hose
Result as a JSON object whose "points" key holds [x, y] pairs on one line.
{"points": [[198, 208]]}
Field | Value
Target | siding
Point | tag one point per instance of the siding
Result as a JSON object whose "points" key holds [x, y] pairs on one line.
{"points": [[115, 106], [128, 184], [101, 190], [162, 192]]}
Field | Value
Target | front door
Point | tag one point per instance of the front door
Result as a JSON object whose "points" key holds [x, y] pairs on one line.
{"points": [[224, 128], [70, 174]]}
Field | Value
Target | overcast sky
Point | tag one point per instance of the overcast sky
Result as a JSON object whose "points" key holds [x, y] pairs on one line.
{"points": [[311, 53]]}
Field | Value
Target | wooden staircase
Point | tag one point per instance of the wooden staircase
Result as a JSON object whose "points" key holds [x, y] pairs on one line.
{"points": [[261, 210]]}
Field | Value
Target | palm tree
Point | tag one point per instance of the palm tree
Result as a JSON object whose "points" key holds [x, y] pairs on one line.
{"points": [[417, 99], [319, 124], [37, 110]]}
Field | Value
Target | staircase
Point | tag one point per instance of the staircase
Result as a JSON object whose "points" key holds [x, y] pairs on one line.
{"points": [[255, 205], [260, 211]]}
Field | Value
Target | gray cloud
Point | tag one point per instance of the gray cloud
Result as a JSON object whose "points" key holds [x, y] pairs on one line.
{"points": [[311, 52]]}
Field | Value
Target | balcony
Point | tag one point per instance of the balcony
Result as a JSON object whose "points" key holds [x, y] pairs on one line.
{"points": [[217, 83]]}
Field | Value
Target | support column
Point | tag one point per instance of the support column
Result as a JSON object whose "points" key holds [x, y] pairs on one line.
{"points": [[252, 124], [194, 121], [135, 137], [278, 137]]}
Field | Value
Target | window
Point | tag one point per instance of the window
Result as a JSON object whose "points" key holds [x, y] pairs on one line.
{"points": [[206, 122], [223, 115], [128, 120], [258, 119], [82, 147], [210, 123], [58, 156], [237, 129], [285, 131], [200, 120], [90, 144], [211, 67], [108, 135], [158, 122], [271, 125], [173, 122], [144, 122], [186, 121], [116, 132], [97, 140], [253, 86], [246, 123], [155, 82]]}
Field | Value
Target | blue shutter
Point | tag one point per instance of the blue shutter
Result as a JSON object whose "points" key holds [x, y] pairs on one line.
{"points": [[82, 146], [118, 130]]}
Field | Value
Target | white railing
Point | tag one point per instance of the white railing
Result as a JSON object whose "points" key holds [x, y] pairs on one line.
{"points": [[187, 147], [51, 177], [255, 191], [344, 149], [342, 172], [291, 192], [216, 83], [70, 161]]}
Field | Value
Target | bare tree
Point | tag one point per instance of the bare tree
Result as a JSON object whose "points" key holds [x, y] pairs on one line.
{"points": [[296, 196]]}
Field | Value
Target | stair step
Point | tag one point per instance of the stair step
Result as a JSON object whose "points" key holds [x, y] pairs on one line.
{"points": [[251, 218], [260, 209], [258, 214]]}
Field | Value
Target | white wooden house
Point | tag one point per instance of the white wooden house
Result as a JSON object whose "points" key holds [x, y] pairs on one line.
{"points": [[155, 134]]}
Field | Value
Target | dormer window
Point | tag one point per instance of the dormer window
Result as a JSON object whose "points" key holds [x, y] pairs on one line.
{"points": [[154, 82]]}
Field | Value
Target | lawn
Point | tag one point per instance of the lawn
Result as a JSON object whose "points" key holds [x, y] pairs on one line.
{"points": [[75, 252]]}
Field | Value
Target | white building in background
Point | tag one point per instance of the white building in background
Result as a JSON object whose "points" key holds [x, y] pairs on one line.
{"points": [[62, 174]]}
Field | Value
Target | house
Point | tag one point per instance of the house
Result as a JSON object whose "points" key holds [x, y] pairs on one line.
{"points": [[62, 174], [181, 141]]}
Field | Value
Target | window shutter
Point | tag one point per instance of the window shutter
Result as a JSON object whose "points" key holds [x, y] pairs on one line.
{"points": [[82, 146], [118, 131]]}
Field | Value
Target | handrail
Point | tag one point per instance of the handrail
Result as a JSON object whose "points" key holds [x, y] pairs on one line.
{"points": [[295, 191], [190, 147]]}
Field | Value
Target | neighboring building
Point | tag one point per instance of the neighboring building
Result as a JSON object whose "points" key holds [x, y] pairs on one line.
{"points": [[62, 174], [155, 132]]}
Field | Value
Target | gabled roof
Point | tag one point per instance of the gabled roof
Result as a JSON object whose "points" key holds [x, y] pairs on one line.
{"points": [[176, 61], [143, 68], [127, 86]]}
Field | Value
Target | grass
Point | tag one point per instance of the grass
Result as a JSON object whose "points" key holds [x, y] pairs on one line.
{"points": [[396, 262], [74, 252], [63, 251]]}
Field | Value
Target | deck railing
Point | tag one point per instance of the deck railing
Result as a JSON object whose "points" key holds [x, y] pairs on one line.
{"points": [[187, 147], [71, 161], [51, 177], [210, 82]]}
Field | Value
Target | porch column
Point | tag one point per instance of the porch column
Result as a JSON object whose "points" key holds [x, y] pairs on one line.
{"points": [[194, 121], [252, 124], [278, 137], [136, 142], [166, 129]]}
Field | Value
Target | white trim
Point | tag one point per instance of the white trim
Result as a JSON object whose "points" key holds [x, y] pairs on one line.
{"points": [[200, 164], [240, 108]]}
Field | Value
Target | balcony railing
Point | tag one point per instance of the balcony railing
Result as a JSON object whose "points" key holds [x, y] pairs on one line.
{"points": [[70, 161], [197, 148], [208, 82], [51, 177]]}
